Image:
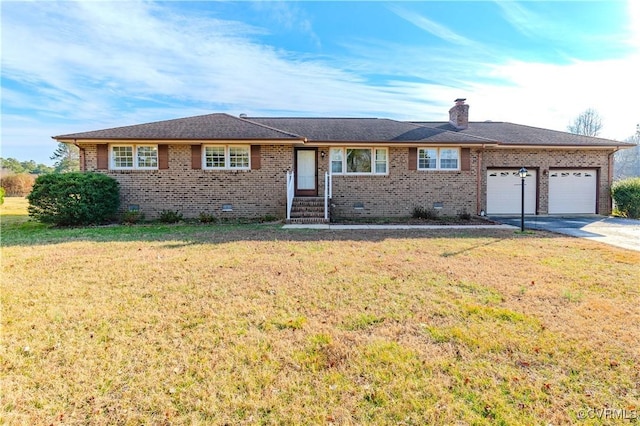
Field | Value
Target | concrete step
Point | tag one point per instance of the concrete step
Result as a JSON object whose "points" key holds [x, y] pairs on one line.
{"points": [[307, 220], [307, 210], [308, 202]]}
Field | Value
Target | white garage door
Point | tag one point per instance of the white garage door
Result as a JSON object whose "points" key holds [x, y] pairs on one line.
{"points": [[572, 191], [504, 188]]}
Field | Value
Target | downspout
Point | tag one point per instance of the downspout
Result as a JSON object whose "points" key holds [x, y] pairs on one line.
{"points": [[610, 178], [479, 182], [82, 159]]}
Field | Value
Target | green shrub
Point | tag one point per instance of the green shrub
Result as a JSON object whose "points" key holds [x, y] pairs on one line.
{"points": [[420, 212], [132, 217], [170, 216], [71, 199], [464, 215], [19, 185], [1, 195], [626, 194], [207, 218]]}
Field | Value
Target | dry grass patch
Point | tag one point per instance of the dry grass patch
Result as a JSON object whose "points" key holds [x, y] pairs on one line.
{"points": [[245, 325]]}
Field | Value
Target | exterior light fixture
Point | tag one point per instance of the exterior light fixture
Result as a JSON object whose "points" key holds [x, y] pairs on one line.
{"points": [[523, 174]]}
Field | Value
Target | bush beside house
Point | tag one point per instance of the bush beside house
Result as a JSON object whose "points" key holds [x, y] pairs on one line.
{"points": [[626, 194], [74, 199]]}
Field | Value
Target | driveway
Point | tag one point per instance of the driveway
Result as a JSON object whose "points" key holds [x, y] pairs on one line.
{"points": [[617, 232]]}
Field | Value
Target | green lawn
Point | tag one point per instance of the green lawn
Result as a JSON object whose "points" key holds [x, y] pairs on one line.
{"points": [[252, 324]]}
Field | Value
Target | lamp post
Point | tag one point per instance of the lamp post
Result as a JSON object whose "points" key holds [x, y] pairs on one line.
{"points": [[523, 174]]}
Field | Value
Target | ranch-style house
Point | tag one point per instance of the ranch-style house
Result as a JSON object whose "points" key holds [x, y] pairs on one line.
{"points": [[316, 169]]}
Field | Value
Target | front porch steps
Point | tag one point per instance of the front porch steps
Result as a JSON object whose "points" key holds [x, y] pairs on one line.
{"points": [[307, 210]]}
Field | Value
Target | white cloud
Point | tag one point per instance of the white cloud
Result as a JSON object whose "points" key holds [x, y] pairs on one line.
{"points": [[524, 20], [90, 65], [548, 95], [432, 27]]}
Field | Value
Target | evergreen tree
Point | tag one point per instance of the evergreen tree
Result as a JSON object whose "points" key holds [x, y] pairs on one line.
{"points": [[67, 158]]}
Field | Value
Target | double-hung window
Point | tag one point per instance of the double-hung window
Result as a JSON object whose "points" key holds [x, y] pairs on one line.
{"points": [[130, 157], [227, 157], [438, 158], [359, 161]]}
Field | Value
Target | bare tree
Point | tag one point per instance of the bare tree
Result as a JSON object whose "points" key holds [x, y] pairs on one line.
{"points": [[627, 161], [588, 123]]}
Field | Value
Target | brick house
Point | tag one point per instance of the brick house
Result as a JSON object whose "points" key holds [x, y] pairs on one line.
{"points": [[361, 167]]}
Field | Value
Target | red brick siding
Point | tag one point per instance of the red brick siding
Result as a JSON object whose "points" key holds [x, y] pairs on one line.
{"points": [[256, 193], [402, 189], [543, 160], [253, 193]]}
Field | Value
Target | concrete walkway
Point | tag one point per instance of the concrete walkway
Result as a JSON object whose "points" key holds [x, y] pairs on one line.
{"points": [[334, 226]]}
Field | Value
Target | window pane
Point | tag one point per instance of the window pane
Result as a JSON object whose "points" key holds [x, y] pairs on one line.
{"points": [[147, 156], [448, 158], [381, 161], [239, 157], [427, 158], [336, 160], [122, 156], [358, 161], [214, 156]]}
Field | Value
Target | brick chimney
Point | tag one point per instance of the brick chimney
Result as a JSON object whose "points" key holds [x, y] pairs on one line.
{"points": [[459, 114]]}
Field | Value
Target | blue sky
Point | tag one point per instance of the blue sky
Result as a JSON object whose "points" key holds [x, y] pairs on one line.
{"points": [[76, 66]]}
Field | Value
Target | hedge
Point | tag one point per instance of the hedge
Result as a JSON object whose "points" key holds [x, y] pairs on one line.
{"points": [[626, 194], [69, 199]]}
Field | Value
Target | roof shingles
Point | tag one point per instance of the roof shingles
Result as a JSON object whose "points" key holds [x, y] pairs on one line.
{"points": [[353, 130], [203, 127], [517, 134]]}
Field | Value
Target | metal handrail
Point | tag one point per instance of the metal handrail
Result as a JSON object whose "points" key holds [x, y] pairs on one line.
{"points": [[290, 193], [328, 184]]}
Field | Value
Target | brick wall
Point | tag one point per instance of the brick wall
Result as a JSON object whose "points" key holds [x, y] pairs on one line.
{"points": [[397, 193], [542, 161], [257, 193], [252, 193]]}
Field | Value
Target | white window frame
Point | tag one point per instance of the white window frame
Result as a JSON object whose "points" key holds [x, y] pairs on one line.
{"points": [[439, 158], [134, 150], [338, 155], [227, 157]]}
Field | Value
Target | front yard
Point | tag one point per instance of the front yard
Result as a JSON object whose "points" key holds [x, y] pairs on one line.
{"points": [[253, 324]]}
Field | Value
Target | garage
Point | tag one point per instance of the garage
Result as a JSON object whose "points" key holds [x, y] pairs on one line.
{"points": [[504, 188], [572, 191]]}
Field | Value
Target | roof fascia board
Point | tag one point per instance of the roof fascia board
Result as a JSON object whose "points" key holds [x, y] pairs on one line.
{"points": [[183, 141], [399, 144], [546, 146]]}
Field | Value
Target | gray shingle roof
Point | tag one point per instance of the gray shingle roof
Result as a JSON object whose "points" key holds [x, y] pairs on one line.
{"points": [[355, 130], [203, 127], [518, 134], [364, 130]]}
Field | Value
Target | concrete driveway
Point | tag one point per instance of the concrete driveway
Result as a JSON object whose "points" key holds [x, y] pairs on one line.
{"points": [[617, 232]]}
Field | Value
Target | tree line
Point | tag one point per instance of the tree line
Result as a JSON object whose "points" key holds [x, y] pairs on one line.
{"points": [[66, 156], [18, 177]]}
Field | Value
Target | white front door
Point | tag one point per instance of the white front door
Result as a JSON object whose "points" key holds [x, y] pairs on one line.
{"points": [[306, 172], [572, 191], [504, 189]]}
